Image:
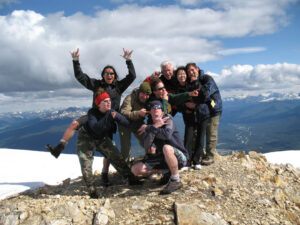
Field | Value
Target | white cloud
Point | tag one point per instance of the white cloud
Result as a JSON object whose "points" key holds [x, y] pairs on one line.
{"points": [[35, 48], [236, 3], [45, 100], [241, 50], [274, 77], [241, 18]]}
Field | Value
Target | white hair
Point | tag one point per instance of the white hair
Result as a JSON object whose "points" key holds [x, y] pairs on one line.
{"points": [[165, 63]]}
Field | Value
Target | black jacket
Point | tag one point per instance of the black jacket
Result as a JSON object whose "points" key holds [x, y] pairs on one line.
{"points": [[114, 90], [100, 125], [170, 85]]}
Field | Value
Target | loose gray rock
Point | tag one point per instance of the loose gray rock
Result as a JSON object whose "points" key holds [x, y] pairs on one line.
{"points": [[236, 189]]}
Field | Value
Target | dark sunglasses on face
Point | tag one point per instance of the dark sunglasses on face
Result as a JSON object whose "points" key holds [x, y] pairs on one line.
{"points": [[159, 89], [156, 107], [109, 73], [107, 101]]}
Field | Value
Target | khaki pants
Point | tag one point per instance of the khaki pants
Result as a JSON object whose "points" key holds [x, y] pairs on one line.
{"points": [[212, 136], [125, 140], [86, 146]]}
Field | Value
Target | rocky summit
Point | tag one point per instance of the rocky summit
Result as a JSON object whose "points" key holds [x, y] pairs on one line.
{"points": [[236, 189]]}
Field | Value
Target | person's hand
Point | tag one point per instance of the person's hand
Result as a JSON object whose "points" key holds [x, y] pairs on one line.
{"points": [[127, 54], [75, 55], [190, 105], [113, 114], [165, 94], [143, 112], [159, 122], [155, 75], [194, 93], [152, 150], [142, 129]]}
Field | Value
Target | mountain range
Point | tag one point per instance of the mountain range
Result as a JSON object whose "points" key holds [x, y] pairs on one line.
{"points": [[261, 124]]}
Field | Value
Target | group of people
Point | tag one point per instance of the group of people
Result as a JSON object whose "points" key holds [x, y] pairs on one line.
{"points": [[147, 113]]}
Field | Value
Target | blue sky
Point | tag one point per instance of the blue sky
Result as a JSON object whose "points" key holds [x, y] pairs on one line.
{"points": [[250, 47]]}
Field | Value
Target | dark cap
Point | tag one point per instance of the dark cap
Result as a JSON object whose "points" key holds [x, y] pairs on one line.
{"points": [[156, 104], [145, 88]]}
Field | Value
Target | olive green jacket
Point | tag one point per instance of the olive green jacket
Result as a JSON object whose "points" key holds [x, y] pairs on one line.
{"points": [[131, 106]]}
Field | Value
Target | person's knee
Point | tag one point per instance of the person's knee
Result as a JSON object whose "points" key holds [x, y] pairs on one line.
{"points": [[168, 150], [135, 169], [74, 125]]}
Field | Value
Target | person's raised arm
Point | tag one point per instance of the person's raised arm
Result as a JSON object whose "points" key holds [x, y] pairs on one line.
{"points": [[154, 75], [75, 55], [81, 77], [127, 54], [125, 82]]}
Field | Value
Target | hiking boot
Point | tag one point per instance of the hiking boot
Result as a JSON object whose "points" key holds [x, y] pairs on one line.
{"points": [[164, 180], [104, 180], [207, 161], [93, 192], [173, 185], [55, 151]]}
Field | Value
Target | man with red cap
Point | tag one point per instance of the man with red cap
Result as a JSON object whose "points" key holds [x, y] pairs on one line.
{"points": [[94, 134]]}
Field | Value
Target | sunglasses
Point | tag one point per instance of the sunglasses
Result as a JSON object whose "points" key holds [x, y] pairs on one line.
{"points": [[107, 101], [109, 73], [156, 107], [161, 88]]}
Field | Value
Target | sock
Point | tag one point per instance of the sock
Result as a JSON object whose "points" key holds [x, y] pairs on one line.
{"points": [[175, 177], [64, 142]]}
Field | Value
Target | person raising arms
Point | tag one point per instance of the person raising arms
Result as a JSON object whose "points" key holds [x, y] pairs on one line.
{"points": [[110, 83]]}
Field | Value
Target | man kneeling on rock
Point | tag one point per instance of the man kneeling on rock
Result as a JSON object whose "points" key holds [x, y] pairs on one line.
{"points": [[164, 147]]}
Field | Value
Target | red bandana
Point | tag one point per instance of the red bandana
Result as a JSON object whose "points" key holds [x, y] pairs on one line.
{"points": [[101, 97]]}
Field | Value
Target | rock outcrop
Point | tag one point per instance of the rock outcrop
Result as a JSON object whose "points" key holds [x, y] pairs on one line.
{"points": [[236, 189]]}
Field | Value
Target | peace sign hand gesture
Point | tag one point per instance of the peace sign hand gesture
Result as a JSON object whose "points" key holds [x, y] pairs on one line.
{"points": [[159, 122]]}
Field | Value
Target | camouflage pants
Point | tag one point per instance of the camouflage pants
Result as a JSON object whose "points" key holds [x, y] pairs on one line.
{"points": [[125, 140], [86, 146], [212, 136]]}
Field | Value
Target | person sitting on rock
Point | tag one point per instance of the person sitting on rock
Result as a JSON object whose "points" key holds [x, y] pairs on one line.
{"points": [[164, 147], [94, 134]]}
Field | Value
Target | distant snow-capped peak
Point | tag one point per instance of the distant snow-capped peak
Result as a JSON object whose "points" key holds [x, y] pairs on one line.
{"points": [[72, 112], [264, 97]]}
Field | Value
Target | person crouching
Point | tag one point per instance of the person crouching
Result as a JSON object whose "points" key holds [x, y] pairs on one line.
{"points": [[164, 147]]}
